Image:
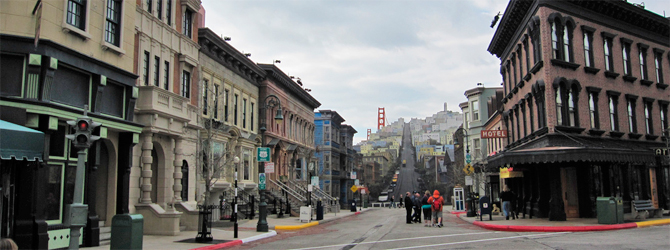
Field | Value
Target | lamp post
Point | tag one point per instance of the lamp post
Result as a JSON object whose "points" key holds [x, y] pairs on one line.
{"points": [[236, 160], [269, 102]]}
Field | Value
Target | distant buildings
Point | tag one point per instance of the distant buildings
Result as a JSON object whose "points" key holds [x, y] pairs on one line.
{"points": [[334, 142]]}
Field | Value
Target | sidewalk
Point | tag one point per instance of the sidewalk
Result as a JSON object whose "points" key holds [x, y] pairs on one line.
{"points": [[544, 225], [223, 236]]}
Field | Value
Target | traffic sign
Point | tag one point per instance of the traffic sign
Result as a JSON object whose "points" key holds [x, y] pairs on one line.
{"points": [[269, 167], [261, 181], [354, 188], [263, 154], [468, 169], [468, 158]]}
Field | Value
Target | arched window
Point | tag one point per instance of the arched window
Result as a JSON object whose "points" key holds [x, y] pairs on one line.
{"points": [[561, 37], [571, 108], [559, 107]]}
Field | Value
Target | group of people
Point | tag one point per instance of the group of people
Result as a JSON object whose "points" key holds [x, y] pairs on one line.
{"points": [[429, 205]]}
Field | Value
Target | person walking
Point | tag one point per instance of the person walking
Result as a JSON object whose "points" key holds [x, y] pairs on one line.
{"points": [[408, 208], [425, 206], [506, 196], [400, 202], [436, 201], [392, 201], [417, 207]]}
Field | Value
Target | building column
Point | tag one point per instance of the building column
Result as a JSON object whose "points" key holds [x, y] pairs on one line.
{"points": [[147, 160], [178, 163]]}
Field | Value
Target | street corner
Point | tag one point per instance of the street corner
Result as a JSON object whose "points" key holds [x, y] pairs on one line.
{"points": [[233, 243], [296, 227], [653, 223]]}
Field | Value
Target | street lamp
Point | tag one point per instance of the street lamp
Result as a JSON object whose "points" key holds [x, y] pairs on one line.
{"points": [[236, 160], [269, 102]]}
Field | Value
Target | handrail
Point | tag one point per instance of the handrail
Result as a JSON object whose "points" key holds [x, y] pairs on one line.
{"points": [[288, 190]]}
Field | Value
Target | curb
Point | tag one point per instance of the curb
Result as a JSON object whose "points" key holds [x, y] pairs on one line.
{"points": [[519, 228], [237, 242], [313, 223]]}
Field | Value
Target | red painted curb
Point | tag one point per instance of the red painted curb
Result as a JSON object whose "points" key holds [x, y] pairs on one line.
{"points": [[220, 246], [517, 228], [357, 213], [452, 212]]}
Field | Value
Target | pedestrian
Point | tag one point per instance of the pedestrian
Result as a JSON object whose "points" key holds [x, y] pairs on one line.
{"points": [[408, 208], [506, 196], [436, 201], [400, 203], [417, 207], [425, 206], [8, 244], [392, 201], [513, 205]]}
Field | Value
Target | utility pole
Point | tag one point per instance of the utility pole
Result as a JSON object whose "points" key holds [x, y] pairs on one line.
{"points": [[76, 213]]}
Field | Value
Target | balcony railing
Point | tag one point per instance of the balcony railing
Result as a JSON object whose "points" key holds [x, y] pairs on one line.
{"points": [[154, 100]]}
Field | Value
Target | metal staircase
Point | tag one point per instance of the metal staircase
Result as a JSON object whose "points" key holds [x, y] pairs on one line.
{"points": [[295, 199]]}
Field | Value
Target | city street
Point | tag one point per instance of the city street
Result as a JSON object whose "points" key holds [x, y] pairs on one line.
{"points": [[386, 229], [407, 178]]}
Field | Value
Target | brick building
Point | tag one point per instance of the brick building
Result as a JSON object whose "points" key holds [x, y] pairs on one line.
{"points": [[585, 104]]}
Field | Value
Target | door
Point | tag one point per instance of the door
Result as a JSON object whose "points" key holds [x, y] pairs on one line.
{"points": [[570, 197]]}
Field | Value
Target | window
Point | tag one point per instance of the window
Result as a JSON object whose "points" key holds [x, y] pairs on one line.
{"points": [[166, 76], [76, 13], [477, 147], [643, 62], [466, 123], [614, 120], [252, 116], [625, 51], [159, 9], [537, 47], [559, 107], [475, 110], [530, 114], [247, 165], [526, 51], [149, 7], [572, 103], [555, 51], [187, 25], [632, 124], [518, 54], [216, 101], [567, 44], [225, 105], [514, 70], [593, 110], [205, 96], [588, 49], [607, 48], [235, 109], [168, 12], [113, 23], [146, 68], [658, 59], [244, 113], [648, 121], [157, 71], [186, 84], [664, 115], [561, 40], [509, 78]]}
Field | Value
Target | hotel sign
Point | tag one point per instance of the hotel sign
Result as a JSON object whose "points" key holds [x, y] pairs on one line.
{"points": [[661, 151], [494, 133]]}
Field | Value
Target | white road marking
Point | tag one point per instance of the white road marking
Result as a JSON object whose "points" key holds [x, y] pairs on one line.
{"points": [[382, 241], [482, 240]]}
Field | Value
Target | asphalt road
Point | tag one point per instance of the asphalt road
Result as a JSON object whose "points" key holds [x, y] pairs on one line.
{"points": [[407, 178], [384, 228]]}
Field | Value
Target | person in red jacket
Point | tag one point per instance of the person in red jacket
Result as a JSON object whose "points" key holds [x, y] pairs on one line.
{"points": [[436, 202]]}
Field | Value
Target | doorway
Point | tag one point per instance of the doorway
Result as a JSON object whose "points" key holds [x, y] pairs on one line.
{"points": [[570, 192]]}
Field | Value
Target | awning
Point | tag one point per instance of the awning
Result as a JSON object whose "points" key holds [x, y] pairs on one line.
{"points": [[291, 147], [571, 154], [272, 142], [19, 142]]}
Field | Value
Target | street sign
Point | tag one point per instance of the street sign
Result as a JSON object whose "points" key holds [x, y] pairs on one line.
{"points": [[315, 180], [468, 158], [468, 180], [353, 175], [263, 154], [363, 191], [269, 167], [261, 181], [354, 188], [357, 182], [467, 168]]}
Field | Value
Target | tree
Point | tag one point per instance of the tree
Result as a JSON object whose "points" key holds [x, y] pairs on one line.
{"points": [[218, 142]]}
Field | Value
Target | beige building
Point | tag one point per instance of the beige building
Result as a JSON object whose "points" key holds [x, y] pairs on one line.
{"points": [[166, 61]]}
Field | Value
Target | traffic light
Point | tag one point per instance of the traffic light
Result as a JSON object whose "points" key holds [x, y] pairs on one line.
{"points": [[83, 132]]}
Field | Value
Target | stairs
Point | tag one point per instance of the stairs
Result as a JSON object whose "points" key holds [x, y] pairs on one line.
{"points": [[105, 234]]}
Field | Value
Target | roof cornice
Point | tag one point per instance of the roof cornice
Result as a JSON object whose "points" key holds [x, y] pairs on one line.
{"points": [[278, 76], [216, 48]]}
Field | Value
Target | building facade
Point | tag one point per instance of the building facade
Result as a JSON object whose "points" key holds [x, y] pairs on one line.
{"points": [[327, 139], [59, 62], [585, 104]]}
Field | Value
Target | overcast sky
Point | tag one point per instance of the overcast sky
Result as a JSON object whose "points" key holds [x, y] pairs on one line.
{"points": [[409, 57]]}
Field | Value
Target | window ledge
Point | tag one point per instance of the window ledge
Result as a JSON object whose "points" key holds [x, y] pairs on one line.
{"points": [[611, 74], [527, 77], [596, 132], [113, 48], [564, 64], [634, 136], [509, 96], [568, 129], [646, 82], [661, 85], [515, 89], [537, 67], [650, 137], [520, 84], [504, 100], [629, 78], [616, 134], [68, 28], [591, 70]]}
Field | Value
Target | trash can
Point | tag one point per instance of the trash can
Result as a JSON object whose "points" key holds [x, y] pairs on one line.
{"points": [[127, 231], [609, 210], [319, 210], [353, 205]]}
